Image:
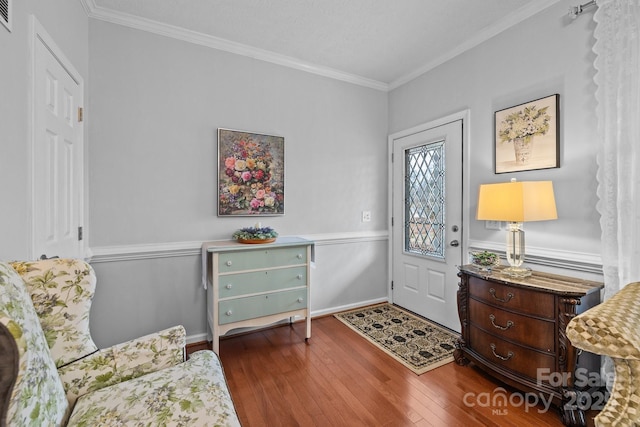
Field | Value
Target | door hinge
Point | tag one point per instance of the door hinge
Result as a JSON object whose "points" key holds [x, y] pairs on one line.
{"points": [[392, 221], [80, 114], [79, 233], [392, 285]]}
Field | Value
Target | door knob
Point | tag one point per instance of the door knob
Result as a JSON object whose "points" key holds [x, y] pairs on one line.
{"points": [[454, 243]]}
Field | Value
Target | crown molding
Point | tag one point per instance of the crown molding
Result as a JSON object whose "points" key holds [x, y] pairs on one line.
{"points": [[155, 27], [489, 32]]}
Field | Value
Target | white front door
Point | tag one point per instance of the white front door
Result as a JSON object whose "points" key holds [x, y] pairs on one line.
{"points": [[427, 221], [57, 152]]}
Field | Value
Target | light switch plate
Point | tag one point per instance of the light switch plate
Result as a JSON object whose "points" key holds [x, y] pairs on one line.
{"points": [[493, 225]]}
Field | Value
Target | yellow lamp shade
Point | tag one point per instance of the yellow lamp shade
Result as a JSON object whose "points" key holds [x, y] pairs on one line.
{"points": [[517, 201]]}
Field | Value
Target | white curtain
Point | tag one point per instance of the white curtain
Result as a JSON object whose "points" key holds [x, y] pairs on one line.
{"points": [[617, 78]]}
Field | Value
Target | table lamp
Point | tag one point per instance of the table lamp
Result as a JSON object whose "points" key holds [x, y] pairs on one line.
{"points": [[516, 202]]}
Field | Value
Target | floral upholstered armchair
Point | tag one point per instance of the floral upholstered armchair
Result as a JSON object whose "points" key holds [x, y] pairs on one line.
{"points": [[613, 329], [52, 373]]}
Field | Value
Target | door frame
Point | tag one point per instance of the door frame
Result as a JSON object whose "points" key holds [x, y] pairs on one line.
{"points": [[464, 116], [37, 33]]}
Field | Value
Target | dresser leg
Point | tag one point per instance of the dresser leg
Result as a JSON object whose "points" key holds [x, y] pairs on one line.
{"points": [[458, 356], [571, 413]]}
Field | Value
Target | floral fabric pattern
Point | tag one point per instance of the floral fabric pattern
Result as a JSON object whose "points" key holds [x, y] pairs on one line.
{"points": [[61, 291], [186, 395], [38, 398], [144, 381], [123, 362]]}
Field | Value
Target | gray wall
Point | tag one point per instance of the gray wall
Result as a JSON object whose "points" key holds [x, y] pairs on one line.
{"points": [[67, 23], [155, 106], [546, 54]]}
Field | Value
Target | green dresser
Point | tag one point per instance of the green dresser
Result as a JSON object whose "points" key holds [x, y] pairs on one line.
{"points": [[253, 285]]}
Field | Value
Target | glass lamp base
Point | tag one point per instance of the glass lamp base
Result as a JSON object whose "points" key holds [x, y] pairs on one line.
{"points": [[516, 272]]}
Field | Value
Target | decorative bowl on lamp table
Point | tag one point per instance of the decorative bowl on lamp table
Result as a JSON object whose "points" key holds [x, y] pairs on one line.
{"points": [[516, 202], [484, 260]]}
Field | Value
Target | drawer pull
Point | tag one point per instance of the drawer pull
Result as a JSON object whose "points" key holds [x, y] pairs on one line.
{"points": [[300, 299], [299, 256], [228, 263], [229, 313], [507, 357], [493, 294], [299, 276], [229, 286], [502, 328]]}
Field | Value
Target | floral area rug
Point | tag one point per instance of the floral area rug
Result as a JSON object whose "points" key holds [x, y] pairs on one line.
{"points": [[414, 341]]}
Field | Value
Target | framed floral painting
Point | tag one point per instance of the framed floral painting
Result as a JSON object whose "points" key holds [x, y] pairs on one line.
{"points": [[527, 136], [250, 174]]}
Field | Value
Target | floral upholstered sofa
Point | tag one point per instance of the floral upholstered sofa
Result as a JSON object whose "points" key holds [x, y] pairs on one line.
{"points": [[612, 328], [52, 373]]}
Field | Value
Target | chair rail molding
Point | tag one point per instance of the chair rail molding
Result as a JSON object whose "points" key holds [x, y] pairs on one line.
{"points": [[569, 260], [178, 249]]}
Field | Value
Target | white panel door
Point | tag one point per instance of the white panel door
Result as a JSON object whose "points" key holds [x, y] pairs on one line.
{"points": [[427, 221], [57, 154]]}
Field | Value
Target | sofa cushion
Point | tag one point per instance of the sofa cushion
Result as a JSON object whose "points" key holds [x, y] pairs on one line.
{"points": [[38, 398], [193, 393], [62, 290]]}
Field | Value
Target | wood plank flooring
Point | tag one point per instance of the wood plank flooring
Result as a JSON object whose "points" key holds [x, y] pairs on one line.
{"points": [[338, 378]]}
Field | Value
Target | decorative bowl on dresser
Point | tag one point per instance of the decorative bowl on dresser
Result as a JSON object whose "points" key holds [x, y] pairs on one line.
{"points": [[515, 330]]}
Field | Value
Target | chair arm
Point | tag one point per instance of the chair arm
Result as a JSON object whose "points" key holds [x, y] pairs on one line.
{"points": [[124, 361], [610, 328]]}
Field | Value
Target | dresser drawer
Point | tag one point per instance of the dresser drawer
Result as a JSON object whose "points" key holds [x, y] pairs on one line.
{"points": [[536, 333], [231, 285], [261, 258], [237, 309], [510, 356], [527, 301]]}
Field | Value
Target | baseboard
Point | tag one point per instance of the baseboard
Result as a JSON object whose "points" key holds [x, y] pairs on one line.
{"points": [[198, 339]]}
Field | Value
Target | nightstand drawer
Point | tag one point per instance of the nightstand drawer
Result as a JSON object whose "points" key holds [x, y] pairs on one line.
{"points": [[261, 258], [512, 357], [232, 285], [536, 333], [526, 301], [237, 309]]}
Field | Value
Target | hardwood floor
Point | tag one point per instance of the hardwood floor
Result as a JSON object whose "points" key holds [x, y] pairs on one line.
{"points": [[340, 379]]}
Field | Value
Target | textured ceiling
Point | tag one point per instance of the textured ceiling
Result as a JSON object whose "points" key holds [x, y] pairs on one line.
{"points": [[386, 41]]}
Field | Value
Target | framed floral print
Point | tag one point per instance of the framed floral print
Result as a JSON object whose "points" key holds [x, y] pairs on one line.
{"points": [[250, 174], [527, 136]]}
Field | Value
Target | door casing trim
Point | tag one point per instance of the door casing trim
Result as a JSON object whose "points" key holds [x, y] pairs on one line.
{"points": [[464, 116]]}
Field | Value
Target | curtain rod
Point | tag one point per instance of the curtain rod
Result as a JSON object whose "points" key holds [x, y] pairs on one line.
{"points": [[577, 10]]}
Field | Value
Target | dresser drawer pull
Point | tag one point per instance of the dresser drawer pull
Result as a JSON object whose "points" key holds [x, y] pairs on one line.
{"points": [[299, 276], [299, 256], [493, 294], [229, 313], [502, 328], [229, 286], [229, 263], [507, 357], [300, 300]]}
